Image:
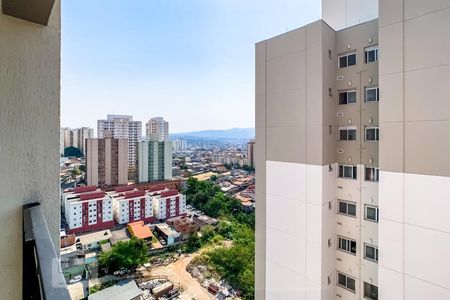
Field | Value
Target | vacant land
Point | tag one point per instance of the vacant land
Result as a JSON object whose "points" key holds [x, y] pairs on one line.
{"points": [[178, 275]]}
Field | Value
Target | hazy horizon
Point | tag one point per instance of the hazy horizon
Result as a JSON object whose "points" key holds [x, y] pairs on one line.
{"points": [[191, 63]]}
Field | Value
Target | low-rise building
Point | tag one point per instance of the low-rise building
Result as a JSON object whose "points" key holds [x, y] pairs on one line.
{"points": [[140, 230], [87, 208], [169, 204], [184, 225], [170, 235], [92, 241]]}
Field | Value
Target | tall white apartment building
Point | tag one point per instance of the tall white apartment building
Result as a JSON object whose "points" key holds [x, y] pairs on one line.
{"points": [[352, 154], [75, 138], [179, 145], [87, 208], [154, 161], [131, 204], [157, 129], [122, 127], [169, 204]]}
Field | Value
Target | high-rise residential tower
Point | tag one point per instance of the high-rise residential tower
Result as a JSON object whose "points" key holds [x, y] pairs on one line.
{"points": [[157, 129], [154, 161], [75, 138], [352, 154], [251, 153], [107, 161], [122, 127]]}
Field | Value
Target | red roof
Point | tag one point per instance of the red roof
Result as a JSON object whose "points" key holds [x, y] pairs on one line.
{"points": [[139, 230], [157, 188], [122, 189], [92, 196], [85, 189], [134, 194], [169, 193]]}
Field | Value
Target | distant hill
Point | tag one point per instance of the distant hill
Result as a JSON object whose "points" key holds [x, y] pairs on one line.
{"points": [[233, 135]]}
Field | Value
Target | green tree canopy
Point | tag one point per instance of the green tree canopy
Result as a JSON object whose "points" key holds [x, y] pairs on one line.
{"points": [[72, 152], [126, 255]]}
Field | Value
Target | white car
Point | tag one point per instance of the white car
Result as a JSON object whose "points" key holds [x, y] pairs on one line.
{"points": [[76, 279]]}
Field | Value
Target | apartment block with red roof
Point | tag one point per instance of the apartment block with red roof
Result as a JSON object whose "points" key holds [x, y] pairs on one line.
{"points": [[87, 208], [169, 204], [131, 204]]}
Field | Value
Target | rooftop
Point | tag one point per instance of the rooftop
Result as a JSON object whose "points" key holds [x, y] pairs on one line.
{"points": [[139, 230], [124, 290], [95, 237]]}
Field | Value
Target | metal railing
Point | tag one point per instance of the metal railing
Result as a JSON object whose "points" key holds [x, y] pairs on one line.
{"points": [[42, 274]]}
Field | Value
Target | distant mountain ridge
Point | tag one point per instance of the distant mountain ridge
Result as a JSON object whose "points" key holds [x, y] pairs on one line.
{"points": [[233, 135]]}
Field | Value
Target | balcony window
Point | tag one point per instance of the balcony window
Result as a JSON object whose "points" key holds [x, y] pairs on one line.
{"points": [[347, 208], [370, 291], [348, 172], [370, 252], [371, 54], [346, 282], [347, 60], [372, 134], [347, 97], [371, 213], [372, 174], [347, 245], [347, 134]]}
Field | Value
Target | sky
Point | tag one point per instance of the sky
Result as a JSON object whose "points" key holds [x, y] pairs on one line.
{"points": [[189, 61]]}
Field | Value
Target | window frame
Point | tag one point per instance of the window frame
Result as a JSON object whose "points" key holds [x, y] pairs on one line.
{"points": [[347, 92], [366, 53], [377, 95], [364, 290], [354, 171], [348, 242], [346, 55], [377, 133], [376, 173], [346, 281], [347, 129], [375, 252], [347, 203], [377, 213]]}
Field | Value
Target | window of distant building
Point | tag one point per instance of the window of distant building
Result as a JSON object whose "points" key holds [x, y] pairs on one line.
{"points": [[347, 134], [372, 94], [347, 171], [346, 282], [372, 174], [371, 54], [347, 60], [347, 208], [370, 291], [371, 213], [372, 134], [347, 245], [370, 252], [347, 97]]}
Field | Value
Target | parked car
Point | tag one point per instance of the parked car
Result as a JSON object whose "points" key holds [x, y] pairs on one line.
{"points": [[76, 279]]}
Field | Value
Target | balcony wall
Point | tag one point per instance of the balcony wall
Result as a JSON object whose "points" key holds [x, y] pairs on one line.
{"points": [[29, 135]]}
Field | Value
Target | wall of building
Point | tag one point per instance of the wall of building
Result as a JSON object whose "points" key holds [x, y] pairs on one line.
{"points": [[29, 135], [341, 14], [414, 149]]}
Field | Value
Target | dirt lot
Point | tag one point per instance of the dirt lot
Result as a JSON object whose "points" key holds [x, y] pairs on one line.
{"points": [[178, 275]]}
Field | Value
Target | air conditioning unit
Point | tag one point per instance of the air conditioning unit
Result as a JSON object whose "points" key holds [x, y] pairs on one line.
{"points": [[340, 114]]}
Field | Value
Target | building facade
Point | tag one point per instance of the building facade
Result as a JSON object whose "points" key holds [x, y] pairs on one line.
{"points": [[157, 129], [75, 138], [130, 205], [122, 127], [107, 161], [87, 208], [342, 134], [169, 204], [251, 153], [154, 161], [179, 145]]}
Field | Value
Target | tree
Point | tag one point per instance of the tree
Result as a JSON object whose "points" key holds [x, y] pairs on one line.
{"points": [[72, 152], [214, 178], [124, 255]]}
